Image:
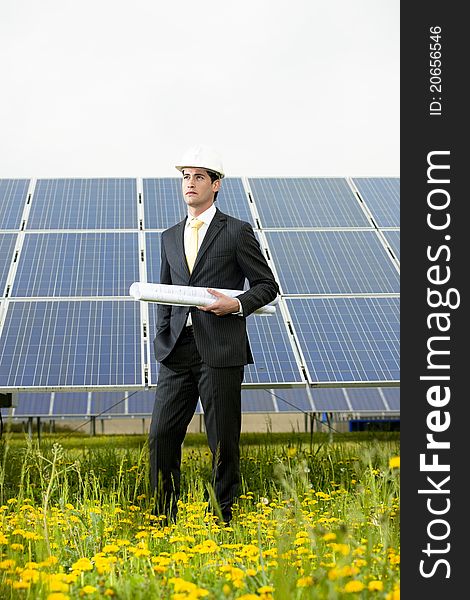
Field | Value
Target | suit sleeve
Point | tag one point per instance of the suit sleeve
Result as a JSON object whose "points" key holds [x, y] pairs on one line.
{"points": [[263, 286]]}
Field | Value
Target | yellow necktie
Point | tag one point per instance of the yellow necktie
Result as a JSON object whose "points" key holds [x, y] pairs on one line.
{"points": [[191, 251]]}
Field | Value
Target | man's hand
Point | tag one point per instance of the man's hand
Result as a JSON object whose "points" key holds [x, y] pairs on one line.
{"points": [[224, 305]]}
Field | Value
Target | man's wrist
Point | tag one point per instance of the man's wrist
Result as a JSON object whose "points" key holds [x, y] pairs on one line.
{"points": [[238, 312]]}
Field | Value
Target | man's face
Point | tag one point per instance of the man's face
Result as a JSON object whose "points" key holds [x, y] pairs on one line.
{"points": [[198, 189]]}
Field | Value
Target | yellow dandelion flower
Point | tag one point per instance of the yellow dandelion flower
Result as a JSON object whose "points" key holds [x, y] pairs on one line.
{"points": [[375, 586], [248, 597], [266, 589], [109, 592], [17, 546], [395, 595], [21, 585], [82, 564], [111, 548], [394, 462], [360, 562], [226, 589], [340, 548], [354, 586], [7, 564], [3, 539], [180, 557], [329, 536], [58, 596], [30, 535], [56, 585], [305, 581], [88, 589]]}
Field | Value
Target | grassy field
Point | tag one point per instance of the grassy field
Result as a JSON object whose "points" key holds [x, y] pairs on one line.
{"points": [[317, 518]]}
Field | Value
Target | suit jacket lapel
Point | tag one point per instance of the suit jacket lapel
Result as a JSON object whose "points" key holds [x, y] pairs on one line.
{"points": [[217, 223], [179, 245]]}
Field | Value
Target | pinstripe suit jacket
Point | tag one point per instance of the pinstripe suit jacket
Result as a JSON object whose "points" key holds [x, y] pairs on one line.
{"points": [[229, 253]]}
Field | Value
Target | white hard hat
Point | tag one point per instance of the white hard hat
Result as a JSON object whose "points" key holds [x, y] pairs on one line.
{"points": [[203, 157]]}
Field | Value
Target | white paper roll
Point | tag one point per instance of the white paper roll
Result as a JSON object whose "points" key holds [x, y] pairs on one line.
{"points": [[185, 295]]}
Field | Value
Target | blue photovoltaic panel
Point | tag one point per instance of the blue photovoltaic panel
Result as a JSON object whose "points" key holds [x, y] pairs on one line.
{"points": [[348, 339], [84, 204], [365, 399], [164, 205], [292, 400], [332, 262], [141, 403], [33, 405], [152, 255], [393, 238], [392, 397], [105, 404], [7, 246], [71, 343], [254, 401], [77, 264], [274, 359], [307, 202], [382, 197], [13, 193], [163, 202], [70, 404], [233, 200], [329, 399]]}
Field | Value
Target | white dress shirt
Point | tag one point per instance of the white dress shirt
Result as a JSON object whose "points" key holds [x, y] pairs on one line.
{"points": [[206, 217]]}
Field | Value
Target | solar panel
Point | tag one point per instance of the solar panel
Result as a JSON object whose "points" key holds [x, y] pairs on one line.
{"points": [[233, 200], [393, 238], [365, 399], [77, 264], [382, 197], [163, 202], [141, 402], [84, 204], [13, 193], [332, 262], [392, 397], [33, 404], [152, 255], [68, 324], [292, 400], [108, 404], [7, 246], [307, 202], [72, 344], [330, 399], [73, 404], [274, 359], [348, 340], [257, 401]]}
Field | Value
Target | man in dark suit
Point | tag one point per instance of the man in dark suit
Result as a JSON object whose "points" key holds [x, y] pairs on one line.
{"points": [[203, 351]]}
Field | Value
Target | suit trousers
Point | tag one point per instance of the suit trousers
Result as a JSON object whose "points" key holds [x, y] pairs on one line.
{"points": [[184, 378]]}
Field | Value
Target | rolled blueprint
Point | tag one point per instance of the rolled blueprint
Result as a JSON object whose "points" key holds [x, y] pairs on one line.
{"points": [[185, 295]]}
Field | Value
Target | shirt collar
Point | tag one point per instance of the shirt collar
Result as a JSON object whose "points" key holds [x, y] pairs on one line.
{"points": [[206, 216]]}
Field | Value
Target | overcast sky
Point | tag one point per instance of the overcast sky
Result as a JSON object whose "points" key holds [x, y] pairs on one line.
{"points": [[113, 88]]}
